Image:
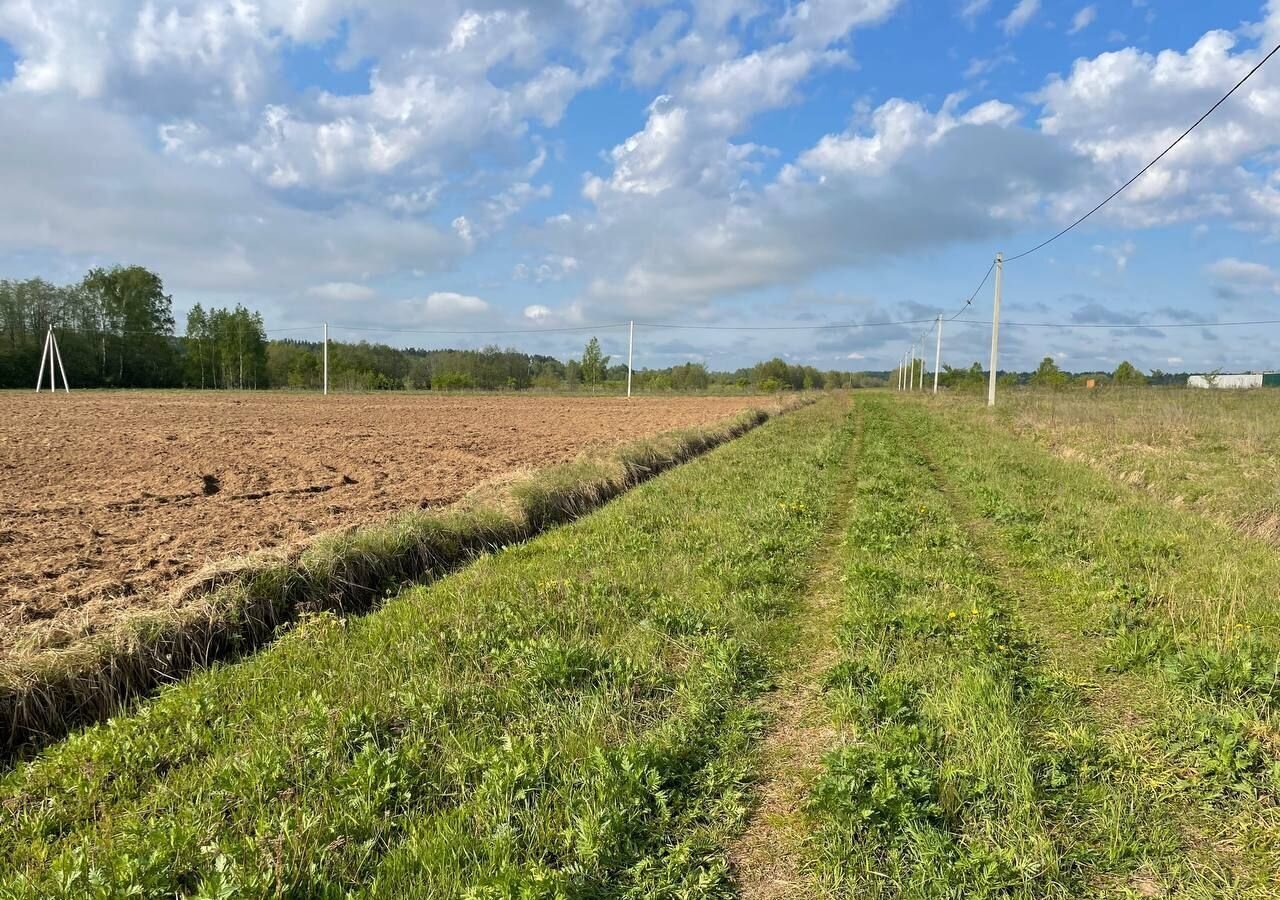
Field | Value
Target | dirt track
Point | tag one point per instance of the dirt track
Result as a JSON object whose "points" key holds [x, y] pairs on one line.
{"points": [[106, 499]]}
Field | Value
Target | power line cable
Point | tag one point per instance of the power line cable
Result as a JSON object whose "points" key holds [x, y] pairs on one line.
{"points": [[1148, 166], [1156, 325], [823, 327], [974, 295], [377, 330], [137, 332], [67, 329], [830, 326], [373, 329]]}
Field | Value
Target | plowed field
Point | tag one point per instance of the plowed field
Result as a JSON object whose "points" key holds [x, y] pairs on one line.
{"points": [[106, 499]]}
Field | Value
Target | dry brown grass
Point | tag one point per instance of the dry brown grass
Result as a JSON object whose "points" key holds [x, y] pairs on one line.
{"points": [[1217, 452]]}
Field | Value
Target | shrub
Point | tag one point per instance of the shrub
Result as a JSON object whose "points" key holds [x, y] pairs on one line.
{"points": [[451, 381]]}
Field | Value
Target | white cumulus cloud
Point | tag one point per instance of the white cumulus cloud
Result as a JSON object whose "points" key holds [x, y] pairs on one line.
{"points": [[446, 304], [1119, 108], [1236, 277]]}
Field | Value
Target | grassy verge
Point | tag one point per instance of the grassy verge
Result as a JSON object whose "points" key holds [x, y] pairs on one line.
{"points": [[974, 761], [1169, 591], [236, 608], [1160, 617], [565, 718], [1210, 451]]}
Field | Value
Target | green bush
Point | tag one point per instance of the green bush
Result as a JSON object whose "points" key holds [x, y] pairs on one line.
{"points": [[451, 381]]}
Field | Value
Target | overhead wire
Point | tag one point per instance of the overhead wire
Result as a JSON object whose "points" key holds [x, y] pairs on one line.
{"points": [[1118, 191], [1114, 194], [379, 330], [933, 323], [974, 295], [826, 326], [1123, 325]]}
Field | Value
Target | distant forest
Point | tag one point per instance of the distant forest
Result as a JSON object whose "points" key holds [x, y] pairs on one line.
{"points": [[116, 329], [1049, 375]]}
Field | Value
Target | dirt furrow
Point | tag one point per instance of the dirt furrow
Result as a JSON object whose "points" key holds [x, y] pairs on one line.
{"points": [[770, 860]]}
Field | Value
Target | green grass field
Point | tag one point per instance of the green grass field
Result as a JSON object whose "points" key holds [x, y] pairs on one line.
{"points": [[878, 647], [1050, 685]]}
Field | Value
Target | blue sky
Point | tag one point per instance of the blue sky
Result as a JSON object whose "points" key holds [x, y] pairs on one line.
{"points": [[570, 163]]}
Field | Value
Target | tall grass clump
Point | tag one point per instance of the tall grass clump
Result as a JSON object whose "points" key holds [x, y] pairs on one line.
{"points": [[567, 717], [237, 607]]}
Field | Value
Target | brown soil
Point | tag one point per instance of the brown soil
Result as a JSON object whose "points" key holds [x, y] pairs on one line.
{"points": [[107, 499]]}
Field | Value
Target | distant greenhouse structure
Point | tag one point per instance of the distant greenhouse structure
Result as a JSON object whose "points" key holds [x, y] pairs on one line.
{"points": [[1235, 381]]}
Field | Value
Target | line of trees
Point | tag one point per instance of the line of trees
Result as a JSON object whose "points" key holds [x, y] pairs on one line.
{"points": [[115, 329], [225, 348], [1049, 375], [378, 367], [365, 367]]}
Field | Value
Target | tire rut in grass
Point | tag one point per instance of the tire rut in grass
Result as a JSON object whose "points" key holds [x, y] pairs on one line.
{"points": [[931, 791], [1109, 711], [769, 859], [1128, 715], [968, 768]]}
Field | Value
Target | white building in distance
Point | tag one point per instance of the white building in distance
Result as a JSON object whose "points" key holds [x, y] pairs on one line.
{"points": [[1239, 381]]}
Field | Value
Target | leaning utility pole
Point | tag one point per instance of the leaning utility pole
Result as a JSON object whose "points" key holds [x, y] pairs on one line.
{"points": [[995, 331], [937, 357]]}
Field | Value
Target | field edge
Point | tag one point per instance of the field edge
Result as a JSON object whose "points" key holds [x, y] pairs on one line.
{"points": [[236, 607]]}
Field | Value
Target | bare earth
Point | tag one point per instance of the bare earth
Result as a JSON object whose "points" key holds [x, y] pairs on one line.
{"points": [[106, 499]]}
